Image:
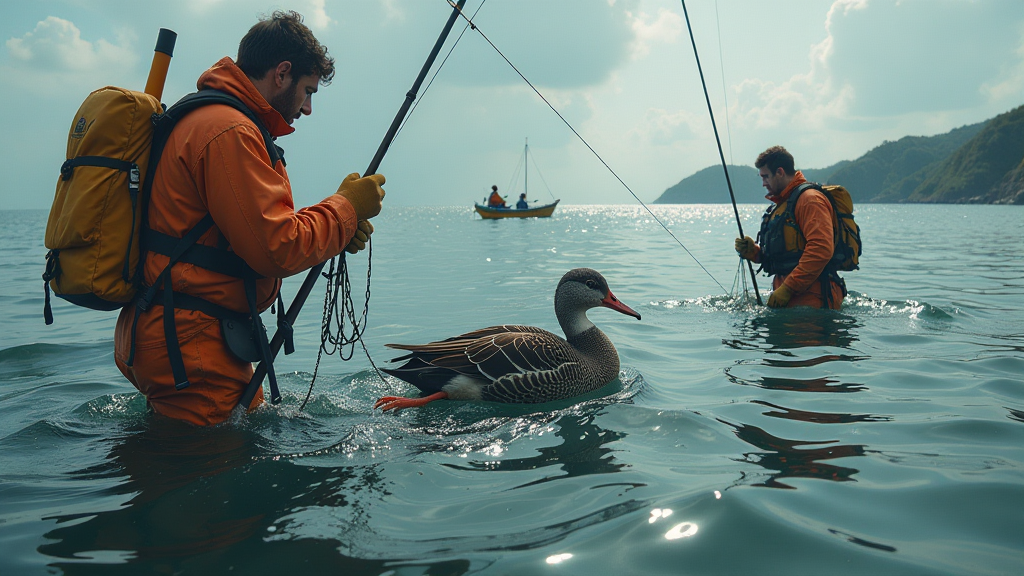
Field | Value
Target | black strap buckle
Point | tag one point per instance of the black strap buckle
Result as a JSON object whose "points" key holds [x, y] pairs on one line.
{"points": [[66, 170]]}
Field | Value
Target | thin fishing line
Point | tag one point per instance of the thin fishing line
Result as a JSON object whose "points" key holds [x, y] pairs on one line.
{"points": [[514, 181], [339, 282], [718, 141], [585, 143], [725, 91], [543, 180], [436, 72]]}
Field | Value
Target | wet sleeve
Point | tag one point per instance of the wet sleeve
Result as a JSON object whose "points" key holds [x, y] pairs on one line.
{"points": [[814, 217], [252, 205]]}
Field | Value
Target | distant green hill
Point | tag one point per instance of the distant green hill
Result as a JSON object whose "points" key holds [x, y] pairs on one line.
{"points": [[987, 169], [891, 172], [979, 163], [709, 187]]}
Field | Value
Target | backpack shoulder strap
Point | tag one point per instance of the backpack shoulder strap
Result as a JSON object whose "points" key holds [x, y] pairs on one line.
{"points": [[791, 206], [166, 121]]}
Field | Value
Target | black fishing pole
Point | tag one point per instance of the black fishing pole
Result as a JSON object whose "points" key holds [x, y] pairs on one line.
{"points": [[750, 265], [314, 273]]}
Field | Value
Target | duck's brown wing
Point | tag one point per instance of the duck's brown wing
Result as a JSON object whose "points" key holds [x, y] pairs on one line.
{"points": [[507, 353], [566, 380], [493, 352]]}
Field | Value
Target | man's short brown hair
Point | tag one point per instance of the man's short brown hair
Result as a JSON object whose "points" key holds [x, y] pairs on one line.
{"points": [[774, 158], [279, 38]]}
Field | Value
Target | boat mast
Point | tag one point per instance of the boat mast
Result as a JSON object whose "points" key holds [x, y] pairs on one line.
{"points": [[526, 168]]}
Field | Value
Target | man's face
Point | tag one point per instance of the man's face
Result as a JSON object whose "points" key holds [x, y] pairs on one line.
{"points": [[772, 182], [296, 98]]}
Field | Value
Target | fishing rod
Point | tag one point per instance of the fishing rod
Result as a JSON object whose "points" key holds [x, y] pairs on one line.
{"points": [[314, 273], [728, 182]]}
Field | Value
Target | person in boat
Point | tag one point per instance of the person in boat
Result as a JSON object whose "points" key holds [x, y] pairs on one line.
{"points": [[495, 200], [800, 275], [522, 204], [217, 163]]}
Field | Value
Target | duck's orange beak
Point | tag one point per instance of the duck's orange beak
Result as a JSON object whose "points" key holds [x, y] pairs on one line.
{"points": [[610, 301]]}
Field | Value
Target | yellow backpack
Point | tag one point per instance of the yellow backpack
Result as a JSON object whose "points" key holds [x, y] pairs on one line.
{"points": [[99, 211], [93, 228], [848, 236]]}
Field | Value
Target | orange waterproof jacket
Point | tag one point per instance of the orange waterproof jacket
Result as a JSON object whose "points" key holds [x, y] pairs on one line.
{"points": [[216, 162], [816, 219]]}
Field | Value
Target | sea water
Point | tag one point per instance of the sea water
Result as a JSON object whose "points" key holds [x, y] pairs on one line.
{"points": [[883, 438]]}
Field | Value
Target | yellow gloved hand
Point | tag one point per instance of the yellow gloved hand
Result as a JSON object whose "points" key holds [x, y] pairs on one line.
{"points": [[746, 247], [780, 297], [365, 194], [361, 237]]}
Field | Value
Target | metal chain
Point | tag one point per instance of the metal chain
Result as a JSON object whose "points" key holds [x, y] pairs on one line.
{"points": [[339, 306]]}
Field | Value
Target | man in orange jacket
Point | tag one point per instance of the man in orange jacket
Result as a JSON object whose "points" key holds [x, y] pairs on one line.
{"points": [[800, 253], [495, 200], [217, 163]]}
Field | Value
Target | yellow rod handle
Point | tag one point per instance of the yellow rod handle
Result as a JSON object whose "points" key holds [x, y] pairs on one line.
{"points": [[161, 62]]}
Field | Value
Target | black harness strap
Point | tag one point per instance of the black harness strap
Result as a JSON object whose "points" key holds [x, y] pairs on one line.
{"points": [[187, 250], [68, 167], [209, 257], [776, 259], [170, 329]]}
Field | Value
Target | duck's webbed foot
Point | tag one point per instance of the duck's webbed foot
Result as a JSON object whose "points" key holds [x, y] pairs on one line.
{"points": [[398, 403]]}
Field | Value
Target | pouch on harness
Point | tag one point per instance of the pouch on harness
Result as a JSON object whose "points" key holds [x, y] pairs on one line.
{"points": [[96, 224], [782, 242]]}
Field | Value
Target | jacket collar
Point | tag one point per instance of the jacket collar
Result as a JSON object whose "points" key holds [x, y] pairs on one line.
{"points": [[798, 179], [227, 77]]}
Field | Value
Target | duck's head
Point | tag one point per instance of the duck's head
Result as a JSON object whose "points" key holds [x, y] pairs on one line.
{"points": [[580, 290]]}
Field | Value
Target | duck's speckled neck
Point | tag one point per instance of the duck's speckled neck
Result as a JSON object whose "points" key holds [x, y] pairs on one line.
{"points": [[571, 309], [594, 346]]}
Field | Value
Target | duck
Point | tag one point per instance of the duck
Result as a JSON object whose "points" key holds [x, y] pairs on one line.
{"points": [[518, 364]]}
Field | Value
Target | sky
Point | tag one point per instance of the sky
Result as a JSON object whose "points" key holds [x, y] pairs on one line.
{"points": [[828, 79]]}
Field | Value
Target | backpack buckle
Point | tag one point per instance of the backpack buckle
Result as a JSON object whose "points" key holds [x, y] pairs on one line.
{"points": [[66, 170], [134, 178], [145, 298]]}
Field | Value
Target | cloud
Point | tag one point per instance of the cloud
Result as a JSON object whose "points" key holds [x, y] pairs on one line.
{"points": [[56, 45], [882, 59], [902, 57], [563, 44], [660, 127], [316, 16], [314, 12], [647, 31]]}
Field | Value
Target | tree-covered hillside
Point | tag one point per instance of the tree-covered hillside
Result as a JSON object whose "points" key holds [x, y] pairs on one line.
{"points": [[980, 163], [892, 171], [987, 169], [709, 187]]}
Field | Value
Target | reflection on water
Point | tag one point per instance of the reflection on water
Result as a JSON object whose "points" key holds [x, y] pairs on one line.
{"points": [[583, 452], [812, 361], [818, 417], [862, 542], [778, 333], [795, 384], [781, 330], [788, 460], [204, 495], [1017, 415]]}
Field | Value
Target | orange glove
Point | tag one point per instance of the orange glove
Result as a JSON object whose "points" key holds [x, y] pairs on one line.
{"points": [[365, 194], [746, 247], [361, 237]]}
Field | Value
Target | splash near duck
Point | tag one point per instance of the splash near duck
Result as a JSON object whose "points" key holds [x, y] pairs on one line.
{"points": [[518, 364]]}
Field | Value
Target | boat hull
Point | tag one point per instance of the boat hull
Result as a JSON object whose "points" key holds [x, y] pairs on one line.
{"points": [[494, 213]]}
